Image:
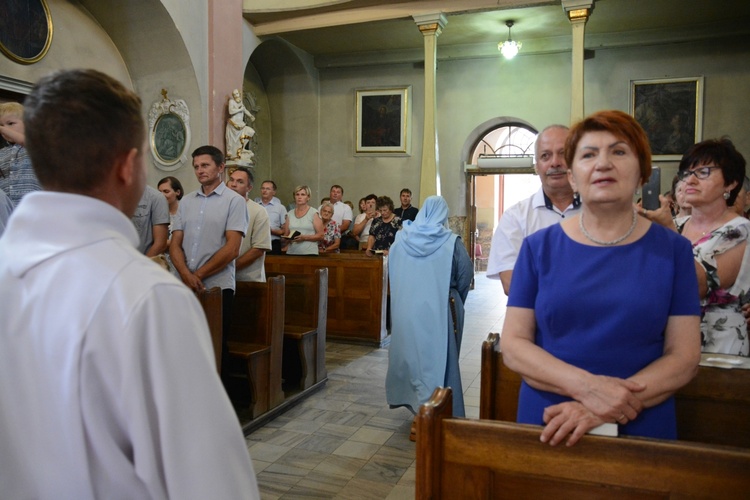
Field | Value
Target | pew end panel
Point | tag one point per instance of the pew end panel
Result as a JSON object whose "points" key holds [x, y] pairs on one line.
{"points": [[499, 385], [211, 301], [482, 459], [256, 340], [306, 305]]}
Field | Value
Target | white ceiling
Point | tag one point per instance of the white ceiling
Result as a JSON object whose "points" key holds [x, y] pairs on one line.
{"points": [[378, 31]]}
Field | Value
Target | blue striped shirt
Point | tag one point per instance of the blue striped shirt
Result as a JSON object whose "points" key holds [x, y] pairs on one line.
{"points": [[17, 177]]}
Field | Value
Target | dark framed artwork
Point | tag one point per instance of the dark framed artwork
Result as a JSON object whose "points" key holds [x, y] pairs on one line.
{"points": [[25, 30], [169, 137], [671, 112], [383, 126], [169, 132]]}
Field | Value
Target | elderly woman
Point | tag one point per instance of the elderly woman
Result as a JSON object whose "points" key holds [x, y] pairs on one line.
{"points": [[332, 235], [428, 318], [603, 314], [712, 173], [384, 227], [304, 220]]}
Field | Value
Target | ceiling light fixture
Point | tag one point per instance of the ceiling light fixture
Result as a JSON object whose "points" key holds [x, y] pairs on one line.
{"points": [[510, 47]]}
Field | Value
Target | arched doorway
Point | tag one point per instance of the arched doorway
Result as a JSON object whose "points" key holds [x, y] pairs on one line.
{"points": [[491, 191]]}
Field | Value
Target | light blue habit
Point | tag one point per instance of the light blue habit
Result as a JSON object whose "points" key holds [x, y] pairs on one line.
{"points": [[423, 353]]}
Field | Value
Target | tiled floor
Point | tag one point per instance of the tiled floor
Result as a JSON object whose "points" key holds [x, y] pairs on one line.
{"points": [[344, 442]]}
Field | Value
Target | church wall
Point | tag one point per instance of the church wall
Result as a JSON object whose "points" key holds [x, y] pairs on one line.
{"points": [[137, 43], [291, 88], [365, 174], [535, 88], [77, 41]]}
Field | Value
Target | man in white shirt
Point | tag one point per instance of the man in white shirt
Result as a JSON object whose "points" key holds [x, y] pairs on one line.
{"points": [[342, 214], [250, 265], [553, 202], [109, 386], [276, 213]]}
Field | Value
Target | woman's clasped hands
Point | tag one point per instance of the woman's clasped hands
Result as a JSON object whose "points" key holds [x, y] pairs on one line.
{"points": [[602, 399]]}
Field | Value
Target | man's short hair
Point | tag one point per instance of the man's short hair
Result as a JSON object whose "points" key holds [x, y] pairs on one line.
{"points": [[337, 186], [371, 196], [85, 108], [405, 190], [215, 153], [250, 177], [269, 182], [539, 137]]}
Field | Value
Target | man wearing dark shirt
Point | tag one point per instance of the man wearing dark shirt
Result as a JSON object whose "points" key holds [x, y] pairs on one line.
{"points": [[406, 211]]}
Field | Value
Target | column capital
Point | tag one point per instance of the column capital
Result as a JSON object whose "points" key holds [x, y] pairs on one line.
{"points": [[578, 10], [431, 23]]}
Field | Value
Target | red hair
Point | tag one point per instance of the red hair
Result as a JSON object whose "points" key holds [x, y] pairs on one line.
{"points": [[619, 124]]}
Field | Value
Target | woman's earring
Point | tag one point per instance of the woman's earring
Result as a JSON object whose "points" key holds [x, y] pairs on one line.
{"points": [[726, 195]]}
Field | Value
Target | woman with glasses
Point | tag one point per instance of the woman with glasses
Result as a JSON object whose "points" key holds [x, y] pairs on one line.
{"points": [[603, 315], [712, 173]]}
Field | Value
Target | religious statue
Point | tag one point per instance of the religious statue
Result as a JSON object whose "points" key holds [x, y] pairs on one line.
{"points": [[238, 132]]}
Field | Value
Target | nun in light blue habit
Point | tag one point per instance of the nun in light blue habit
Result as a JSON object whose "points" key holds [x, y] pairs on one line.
{"points": [[430, 273]]}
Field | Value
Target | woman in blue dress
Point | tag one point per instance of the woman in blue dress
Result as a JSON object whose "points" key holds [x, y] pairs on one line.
{"points": [[603, 313]]}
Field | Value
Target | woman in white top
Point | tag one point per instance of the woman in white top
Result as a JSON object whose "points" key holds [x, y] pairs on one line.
{"points": [[305, 220]]}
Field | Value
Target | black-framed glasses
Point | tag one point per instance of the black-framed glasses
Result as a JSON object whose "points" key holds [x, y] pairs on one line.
{"points": [[699, 173]]}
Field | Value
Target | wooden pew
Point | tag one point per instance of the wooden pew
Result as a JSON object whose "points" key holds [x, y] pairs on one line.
{"points": [[499, 385], [357, 291], [306, 305], [212, 307], [713, 408], [256, 339], [483, 459]]}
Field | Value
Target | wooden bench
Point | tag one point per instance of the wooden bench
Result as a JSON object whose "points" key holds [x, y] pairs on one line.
{"points": [[306, 304], [255, 339], [713, 408], [483, 459], [211, 302], [357, 291]]}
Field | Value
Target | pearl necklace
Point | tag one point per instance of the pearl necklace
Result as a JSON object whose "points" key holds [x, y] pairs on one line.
{"points": [[608, 243]]}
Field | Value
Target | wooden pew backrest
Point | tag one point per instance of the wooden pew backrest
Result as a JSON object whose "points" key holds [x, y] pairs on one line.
{"points": [[713, 408], [357, 292], [482, 459]]}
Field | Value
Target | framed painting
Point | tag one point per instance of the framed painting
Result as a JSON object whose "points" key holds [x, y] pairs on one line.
{"points": [[671, 112], [25, 30], [383, 121]]}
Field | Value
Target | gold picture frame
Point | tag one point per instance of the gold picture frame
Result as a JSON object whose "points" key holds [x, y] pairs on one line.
{"points": [[383, 121], [25, 30], [670, 110]]}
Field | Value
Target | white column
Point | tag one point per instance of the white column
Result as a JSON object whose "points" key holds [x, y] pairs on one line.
{"points": [[429, 184], [578, 12]]}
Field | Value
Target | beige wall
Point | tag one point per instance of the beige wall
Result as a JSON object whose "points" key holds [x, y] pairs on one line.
{"points": [[535, 88]]}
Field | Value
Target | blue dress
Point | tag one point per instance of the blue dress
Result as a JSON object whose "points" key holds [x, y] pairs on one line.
{"points": [[604, 309]]}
